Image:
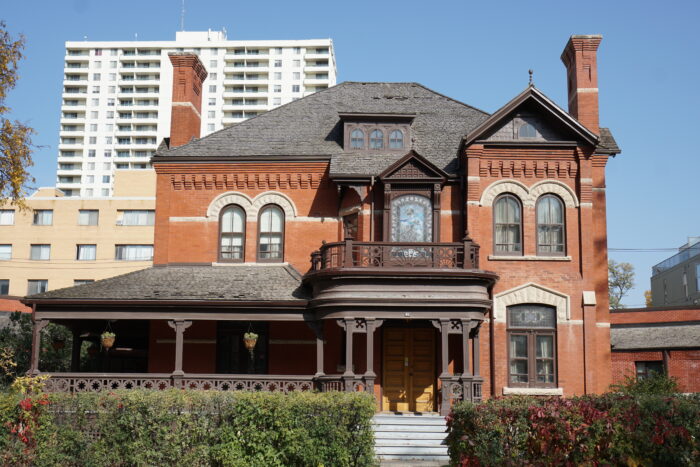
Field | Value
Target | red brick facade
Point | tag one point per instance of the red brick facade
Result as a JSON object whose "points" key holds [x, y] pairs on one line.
{"points": [[187, 228]]}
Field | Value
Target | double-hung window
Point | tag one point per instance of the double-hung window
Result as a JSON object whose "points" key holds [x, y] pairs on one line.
{"points": [[507, 226], [271, 234], [232, 242], [532, 346], [550, 226]]}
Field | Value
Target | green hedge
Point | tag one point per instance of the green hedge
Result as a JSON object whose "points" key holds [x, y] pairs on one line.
{"points": [[187, 428], [610, 429]]}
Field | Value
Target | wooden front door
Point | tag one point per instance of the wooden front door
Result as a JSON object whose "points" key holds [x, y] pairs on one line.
{"points": [[409, 370]]}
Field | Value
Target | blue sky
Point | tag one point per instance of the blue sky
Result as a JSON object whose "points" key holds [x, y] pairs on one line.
{"points": [[476, 52]]}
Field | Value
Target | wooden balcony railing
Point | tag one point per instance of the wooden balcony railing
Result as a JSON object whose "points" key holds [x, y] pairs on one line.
{"points": [[96, 382], [352, 254]]}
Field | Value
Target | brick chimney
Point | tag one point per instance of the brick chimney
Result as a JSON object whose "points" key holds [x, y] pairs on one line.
{"points": [[185, 117], [579, 57]]}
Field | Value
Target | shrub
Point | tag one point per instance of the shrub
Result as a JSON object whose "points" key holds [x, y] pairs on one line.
{"points": [[657, 383], [611, 429], [191, 428]]}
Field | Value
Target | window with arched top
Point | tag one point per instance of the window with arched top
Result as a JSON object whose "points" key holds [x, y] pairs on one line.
{"points": [[357, 139], [271, 233], [527, 130], [507, 226], [376, 139], [550, 226], [231, 233], [396, 139]]}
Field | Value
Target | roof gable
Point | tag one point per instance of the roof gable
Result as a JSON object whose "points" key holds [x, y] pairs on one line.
{"points": [[412, 167], [551, 122]]}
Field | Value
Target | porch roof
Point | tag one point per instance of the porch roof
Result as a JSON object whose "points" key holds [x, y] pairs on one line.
{"points": [[235, 282], [650, 336]]}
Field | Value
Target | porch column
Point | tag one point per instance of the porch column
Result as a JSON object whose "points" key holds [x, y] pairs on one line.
{"points": [[370, 375], [475, 348], [179, 326], [466, 374], [75, 350], [39, 324], [317, 328], [349, 374], [445, 358]]}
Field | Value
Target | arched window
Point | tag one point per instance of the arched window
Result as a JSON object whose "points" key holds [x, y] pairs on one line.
{"points": [[271, 233], [550, 226], [507, 226], [396, 139], [376, 139], [526, 130], [231, 233], [532, 346], [357, 139]]}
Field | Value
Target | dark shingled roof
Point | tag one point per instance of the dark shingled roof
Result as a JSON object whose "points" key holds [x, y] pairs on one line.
{"points": [[667, 336], [312, 127], [231, 282], [607, 141]]}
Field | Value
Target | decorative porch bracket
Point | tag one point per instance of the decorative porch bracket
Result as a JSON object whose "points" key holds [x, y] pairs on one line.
{"points": [[179, 326], [39, 325], [359, 326], [453, 386]]}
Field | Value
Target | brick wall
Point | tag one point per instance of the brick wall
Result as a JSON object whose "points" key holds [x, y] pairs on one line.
{"points": [[684, 365]]}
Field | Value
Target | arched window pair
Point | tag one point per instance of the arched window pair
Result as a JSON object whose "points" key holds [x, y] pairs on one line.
{"points": [[376, 139], [508, 226], [270, 234]]}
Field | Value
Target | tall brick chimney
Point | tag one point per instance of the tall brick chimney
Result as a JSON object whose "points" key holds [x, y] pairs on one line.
{"points": [[579, 57], [185, 117]]}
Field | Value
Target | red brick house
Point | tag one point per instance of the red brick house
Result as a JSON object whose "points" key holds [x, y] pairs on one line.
{"points": [[375, 236]]}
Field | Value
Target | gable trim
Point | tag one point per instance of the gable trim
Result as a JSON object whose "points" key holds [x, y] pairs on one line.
{"points": [[532, 93]]}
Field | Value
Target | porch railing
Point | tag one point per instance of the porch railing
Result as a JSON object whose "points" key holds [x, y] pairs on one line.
{"points": [[352, 254], [96, 382]]}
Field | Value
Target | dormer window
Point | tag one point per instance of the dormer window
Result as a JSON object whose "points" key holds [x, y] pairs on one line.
{"points": [[376, 139], [527, 130], [376, 132], [396, 139], [357, 139]]}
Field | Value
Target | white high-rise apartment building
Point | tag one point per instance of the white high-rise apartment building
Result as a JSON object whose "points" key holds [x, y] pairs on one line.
{"points": [[117, 96]]}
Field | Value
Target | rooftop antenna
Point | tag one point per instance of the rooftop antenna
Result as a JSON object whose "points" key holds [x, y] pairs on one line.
{"points": [[182, 17], [530, 72]]}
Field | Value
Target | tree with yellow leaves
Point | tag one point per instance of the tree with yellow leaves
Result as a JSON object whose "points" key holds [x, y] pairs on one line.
{"points": [[15, 137]]}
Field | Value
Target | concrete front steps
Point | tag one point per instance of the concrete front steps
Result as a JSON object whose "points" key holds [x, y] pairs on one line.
{"points": [[409, 439]]}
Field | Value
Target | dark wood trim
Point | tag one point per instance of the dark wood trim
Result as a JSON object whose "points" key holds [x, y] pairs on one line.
{"points": [[170, 303], [282, 315], [529, 144], [284, 219], [532, 334], [243, 234], [533, 94]]}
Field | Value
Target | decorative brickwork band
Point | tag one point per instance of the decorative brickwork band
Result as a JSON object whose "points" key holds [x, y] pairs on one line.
{"points": [[303, 181]]}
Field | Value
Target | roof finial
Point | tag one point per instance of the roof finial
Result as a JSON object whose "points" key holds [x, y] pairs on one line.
{"points": [[530, 72]]}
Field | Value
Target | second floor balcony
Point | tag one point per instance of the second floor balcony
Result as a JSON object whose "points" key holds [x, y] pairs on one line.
{"points": [[382, 255]]}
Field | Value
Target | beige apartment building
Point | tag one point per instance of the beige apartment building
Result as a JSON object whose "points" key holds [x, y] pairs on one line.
{"points": [[62, 241]]}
